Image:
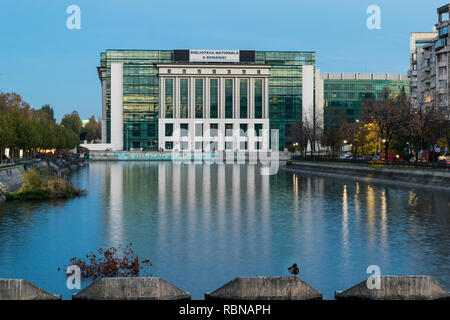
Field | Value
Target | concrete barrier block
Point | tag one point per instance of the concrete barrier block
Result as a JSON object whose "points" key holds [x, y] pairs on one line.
{"points": [[397, 288], [131, 288], [265, 288], [19, 289]]}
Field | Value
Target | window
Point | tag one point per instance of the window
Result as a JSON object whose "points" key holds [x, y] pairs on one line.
{"points": [[184, 98], [228, 129], [243, 129], [198, 145], [214, 98], [243, 145], [169, 129], [184, 71], [213, 146], [136, 144], [199, 130], [258, 72], [184, 145], [258, 128], [184, 129], [214, 71], [243, 99], [228, 98], [228, 145], [199, 98], [244, 71], [151, 130], [136, 130], [258, 145], [169, 145], [258, 98], [169, 97], [229, 71], [169, 71], [213, 129], [199, 71]]}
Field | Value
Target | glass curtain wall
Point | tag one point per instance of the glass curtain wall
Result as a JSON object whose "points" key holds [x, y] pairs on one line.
{"points": [[243, 113], [199, 98], [184, 98], [228, 98], [214, 98], [169, 98]]}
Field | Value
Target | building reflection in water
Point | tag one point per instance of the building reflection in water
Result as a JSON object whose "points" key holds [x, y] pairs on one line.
{"points": [[220, 216], [345, 218], [115, 219]]}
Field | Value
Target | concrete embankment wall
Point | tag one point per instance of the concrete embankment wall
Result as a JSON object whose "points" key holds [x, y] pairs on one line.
{"points": [[437, 179], [19, 289], [11, 177]]}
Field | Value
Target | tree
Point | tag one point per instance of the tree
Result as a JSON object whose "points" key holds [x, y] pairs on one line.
{"points": [[92, 129], [333, 139], [48, 112], [312, 128], [298, 135], [387, 115], [72, 122], [27, 129], [426, 124]]}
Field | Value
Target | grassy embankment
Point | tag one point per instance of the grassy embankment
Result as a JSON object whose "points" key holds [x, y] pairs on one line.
{"points": [[42, 186]]}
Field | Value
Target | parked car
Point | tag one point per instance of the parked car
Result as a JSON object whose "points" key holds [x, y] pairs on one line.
{"points": [[430, 155], [392, 157], [445, 158], [413, 159]]}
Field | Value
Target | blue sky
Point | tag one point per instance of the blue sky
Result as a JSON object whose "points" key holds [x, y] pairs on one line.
{"points": [[47, 63]]}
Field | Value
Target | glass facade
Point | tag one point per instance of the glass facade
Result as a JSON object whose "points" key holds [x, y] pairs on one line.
{"points": [[141, 92], [214, 98], [258, 99], [243, 99], [168, 90], [285, 87], [228, 98], [184, 98], [342, 98], [199, 98]]}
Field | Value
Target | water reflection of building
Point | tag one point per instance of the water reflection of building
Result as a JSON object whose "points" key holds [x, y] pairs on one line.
{"points": [[116, 210]]}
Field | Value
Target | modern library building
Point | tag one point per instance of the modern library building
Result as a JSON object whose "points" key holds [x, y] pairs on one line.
{"points": [[209, 100]]}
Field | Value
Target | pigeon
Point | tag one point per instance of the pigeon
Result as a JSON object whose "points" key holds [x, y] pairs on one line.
{"points": [[293, 269]]}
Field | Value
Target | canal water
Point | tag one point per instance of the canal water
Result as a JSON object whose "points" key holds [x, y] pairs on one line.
{"points": [[202, 225]]}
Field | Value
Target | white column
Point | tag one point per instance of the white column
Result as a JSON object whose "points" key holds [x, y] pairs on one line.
{"points": [[236, 98], [319, 99], [207, 102], [117, 106], [192, 97], [104, 132], [221, 98], [162, 112], [308, 92], [266, 98], [251, 99], [176, 100]]}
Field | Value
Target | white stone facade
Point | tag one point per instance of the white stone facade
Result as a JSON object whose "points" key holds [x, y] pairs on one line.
{"points": [[206, 132]]}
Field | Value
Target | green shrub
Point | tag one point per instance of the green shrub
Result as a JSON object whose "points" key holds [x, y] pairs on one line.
{"points": [[32, 180]]}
